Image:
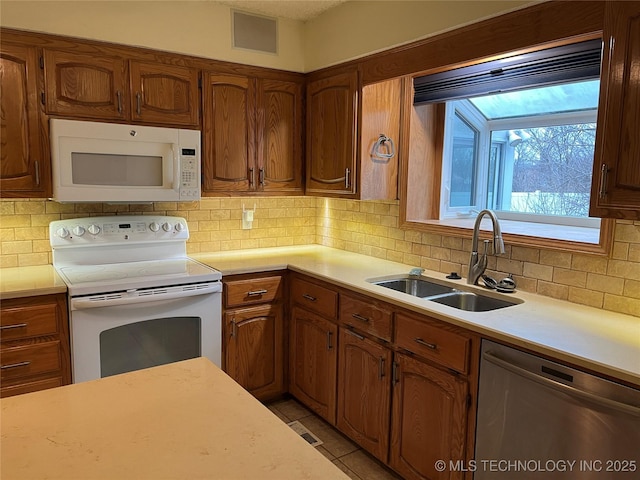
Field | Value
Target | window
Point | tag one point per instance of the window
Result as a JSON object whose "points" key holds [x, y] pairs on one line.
{"points": [[518, 137]]}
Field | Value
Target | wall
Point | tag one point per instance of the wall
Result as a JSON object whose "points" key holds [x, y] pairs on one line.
{"points": [[609, 283], [357, 28], [363, 227], [200, 28]]}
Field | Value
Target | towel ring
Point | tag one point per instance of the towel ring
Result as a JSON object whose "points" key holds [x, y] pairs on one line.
{"points": [[377, 152]]}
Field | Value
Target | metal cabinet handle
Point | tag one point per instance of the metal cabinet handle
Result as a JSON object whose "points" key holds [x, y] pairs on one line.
{"points": [[37, 172], [251, 176], [329, 336], [604, 170], [261, 176], [377, 152], [15, 325], [419, 341], [394, 373], [234, 328], [119, 97], [347, 179], [255, 293], [139, 103], [381, 368], [15, 365], [357, 316], [309, 297]]}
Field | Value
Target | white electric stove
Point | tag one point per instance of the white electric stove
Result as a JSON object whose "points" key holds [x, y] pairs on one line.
{"points": [[136, 299]]}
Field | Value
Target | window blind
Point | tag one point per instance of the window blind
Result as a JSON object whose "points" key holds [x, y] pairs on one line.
{"points": [[578, 61]]}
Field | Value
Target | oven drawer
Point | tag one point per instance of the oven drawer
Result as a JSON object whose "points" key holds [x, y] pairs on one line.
{"points": [[26, 360], [252, 290], [433, 341], [315, 297], [28, 321], [366, 316]]}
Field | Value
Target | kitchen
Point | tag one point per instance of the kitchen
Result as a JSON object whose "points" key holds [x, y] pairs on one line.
{"points": [[609, 284]]}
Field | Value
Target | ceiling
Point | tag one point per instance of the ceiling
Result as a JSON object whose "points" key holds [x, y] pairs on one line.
{"points": [[294, 9]]}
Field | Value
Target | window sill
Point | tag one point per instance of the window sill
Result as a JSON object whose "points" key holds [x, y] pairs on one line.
{"points": [[538, 235]]}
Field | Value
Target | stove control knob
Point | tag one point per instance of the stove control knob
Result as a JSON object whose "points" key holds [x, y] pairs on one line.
{"points": [[94, 229], [166, 227], [179, 227], [62, 232], [78, 230], [154, 227]]}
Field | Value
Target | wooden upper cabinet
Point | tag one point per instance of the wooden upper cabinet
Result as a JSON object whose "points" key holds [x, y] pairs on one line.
{"points": [[164, 94], [279, 136], [104, 87], [616, 176], [252, 135], [91, 86], [228, 134], [331, 135], [24, 165]]}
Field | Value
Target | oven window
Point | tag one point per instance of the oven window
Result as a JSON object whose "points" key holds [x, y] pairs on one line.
{"points": [[116, 170], [150, 343]]}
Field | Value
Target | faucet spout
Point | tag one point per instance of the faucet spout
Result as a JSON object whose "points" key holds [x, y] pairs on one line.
{"points": [[478, 263]]}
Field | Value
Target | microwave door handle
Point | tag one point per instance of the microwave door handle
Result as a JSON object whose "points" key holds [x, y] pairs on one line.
{"points": [[175, 148]]}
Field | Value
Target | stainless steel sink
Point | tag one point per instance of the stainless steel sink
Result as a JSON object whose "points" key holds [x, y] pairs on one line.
{"points": [[472, 302], [443, 294], [418, 287]]}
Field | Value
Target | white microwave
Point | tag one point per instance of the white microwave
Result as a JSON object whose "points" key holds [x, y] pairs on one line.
{"points": [[115, 163]]}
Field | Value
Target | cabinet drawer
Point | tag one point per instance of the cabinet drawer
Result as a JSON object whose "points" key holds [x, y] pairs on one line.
{"points": [[367, 316], [433, 341], [315, 297], [27, 360], [28, 387], [28, 321], [252, 290]]}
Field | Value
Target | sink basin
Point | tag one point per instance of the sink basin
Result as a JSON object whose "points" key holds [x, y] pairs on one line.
{"points": [[451, 296], [472, 302], [418, 287]]}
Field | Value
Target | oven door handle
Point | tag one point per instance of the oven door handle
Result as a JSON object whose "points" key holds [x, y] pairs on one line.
{"points": [[143, 296]]}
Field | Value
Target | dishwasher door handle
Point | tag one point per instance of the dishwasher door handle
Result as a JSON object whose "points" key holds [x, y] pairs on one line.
{"points": [[561, 387]]}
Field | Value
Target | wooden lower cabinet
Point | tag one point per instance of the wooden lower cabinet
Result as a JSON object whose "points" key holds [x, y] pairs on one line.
{"points": [[429, 420], [364, 392], [254, 356], [313, 362]]}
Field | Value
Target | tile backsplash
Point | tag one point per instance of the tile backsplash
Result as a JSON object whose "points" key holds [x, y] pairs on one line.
{"points": [[363, 227]]}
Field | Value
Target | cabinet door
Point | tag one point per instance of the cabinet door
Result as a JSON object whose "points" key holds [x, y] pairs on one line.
{"points": [[616, 176], [313, 362], [81, 85], [229, 134], [331, 135], [279, 139], [429, 420], [364, 392], [255, 347], [164, 94], [24, 170]]}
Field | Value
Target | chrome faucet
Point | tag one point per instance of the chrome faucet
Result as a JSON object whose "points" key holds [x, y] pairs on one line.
{"points": [[478, 264]]}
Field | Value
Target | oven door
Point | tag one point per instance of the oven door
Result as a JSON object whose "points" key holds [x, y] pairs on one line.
{"points": [[127, 331]]}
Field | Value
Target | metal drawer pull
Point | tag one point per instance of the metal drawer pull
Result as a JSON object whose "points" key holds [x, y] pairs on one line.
{"points": [[329, 345], [15, 325], [15, 365], [255, 293], [419, 341], [309, 297], [360, 317]]}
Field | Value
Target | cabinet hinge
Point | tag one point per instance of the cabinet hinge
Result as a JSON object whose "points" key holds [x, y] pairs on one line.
{"points": [[41, 62]]}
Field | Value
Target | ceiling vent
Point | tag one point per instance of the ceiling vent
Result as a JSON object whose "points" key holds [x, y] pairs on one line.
{"points": [[254, 32]]}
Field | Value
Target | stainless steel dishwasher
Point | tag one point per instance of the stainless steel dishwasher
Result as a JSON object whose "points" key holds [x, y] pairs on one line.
{"points": [[541, 419]]}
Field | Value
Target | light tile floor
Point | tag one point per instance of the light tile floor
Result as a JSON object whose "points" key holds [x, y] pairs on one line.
{"points": [[346, 455]]}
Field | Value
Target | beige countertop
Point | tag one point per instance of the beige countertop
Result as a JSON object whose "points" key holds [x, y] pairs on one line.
{"points": [[185, 420], [18, 282], [598, 340]]}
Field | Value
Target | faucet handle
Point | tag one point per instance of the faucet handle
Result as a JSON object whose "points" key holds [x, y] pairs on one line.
{"points": [[416, 271]]}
